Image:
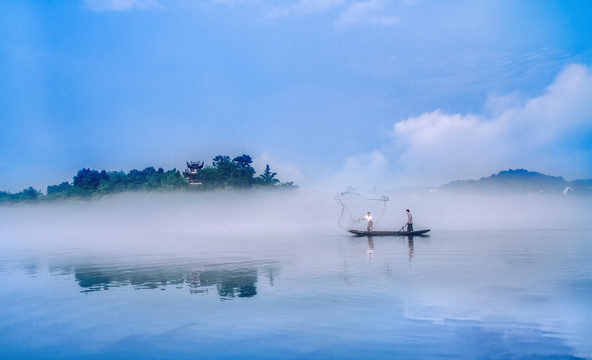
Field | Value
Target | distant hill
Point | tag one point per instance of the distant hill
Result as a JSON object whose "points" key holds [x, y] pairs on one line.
{"points": [[522, 181]]}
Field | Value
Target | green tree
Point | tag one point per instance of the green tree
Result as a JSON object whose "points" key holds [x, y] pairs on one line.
{"points": [[63, 190], [223, 167], [28, 194], [118, 181], [242, 174], [5, 196], [173, 180], [268, 177], [88, 180], [243, 161]]}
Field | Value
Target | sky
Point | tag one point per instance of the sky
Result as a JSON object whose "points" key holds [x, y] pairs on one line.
{"points": [[331, 94]]}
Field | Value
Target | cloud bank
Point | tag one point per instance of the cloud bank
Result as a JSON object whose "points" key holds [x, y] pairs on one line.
{"points": [[539, 134]]}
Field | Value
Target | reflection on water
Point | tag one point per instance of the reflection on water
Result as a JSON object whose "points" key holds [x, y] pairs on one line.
{"points": [[229, 283], [410, 244], [480, 295], [370, 247]]}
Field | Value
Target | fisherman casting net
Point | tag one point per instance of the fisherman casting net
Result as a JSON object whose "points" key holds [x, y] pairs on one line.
{"points": [[354, 207]]}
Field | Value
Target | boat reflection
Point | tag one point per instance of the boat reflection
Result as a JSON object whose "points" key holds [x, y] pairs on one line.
{"points": [[411, 247], [410, 244], [370, 251]]}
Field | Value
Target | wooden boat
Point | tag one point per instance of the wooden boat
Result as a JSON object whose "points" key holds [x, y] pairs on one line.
{"points": [[388, 233]]}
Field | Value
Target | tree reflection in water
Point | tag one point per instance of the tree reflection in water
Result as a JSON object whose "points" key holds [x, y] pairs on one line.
{"points": [[240, 282]]}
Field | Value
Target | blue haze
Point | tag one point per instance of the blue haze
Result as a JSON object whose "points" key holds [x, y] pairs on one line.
{"points": [[315, 89]]}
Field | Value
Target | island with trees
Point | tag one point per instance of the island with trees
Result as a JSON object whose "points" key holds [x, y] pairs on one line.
{"points": [[224, 173]]}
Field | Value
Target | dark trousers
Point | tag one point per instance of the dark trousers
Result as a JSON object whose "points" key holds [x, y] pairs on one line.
{"points": [[410, 227]]}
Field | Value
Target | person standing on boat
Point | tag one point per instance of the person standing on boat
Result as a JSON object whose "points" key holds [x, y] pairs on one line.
{"points": [[409, 221], [369, 218]]}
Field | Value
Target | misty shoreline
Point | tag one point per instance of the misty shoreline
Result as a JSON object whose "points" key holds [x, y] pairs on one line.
{"points": [[91, 184], [129, 217]]}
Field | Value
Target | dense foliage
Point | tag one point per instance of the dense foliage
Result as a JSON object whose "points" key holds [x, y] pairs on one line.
{"points": [[237, 173], [224, 173]]}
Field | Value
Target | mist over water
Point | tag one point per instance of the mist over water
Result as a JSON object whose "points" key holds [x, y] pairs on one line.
{"points": [[141, 218], [460, 212], [138, 218], [176, 275]]}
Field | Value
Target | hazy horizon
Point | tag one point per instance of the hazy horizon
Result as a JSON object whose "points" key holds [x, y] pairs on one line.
{"points": [[234, 213], [366, 190]]}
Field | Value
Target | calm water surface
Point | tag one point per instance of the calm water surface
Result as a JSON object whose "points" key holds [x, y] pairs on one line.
{"points": [[467, 295]]}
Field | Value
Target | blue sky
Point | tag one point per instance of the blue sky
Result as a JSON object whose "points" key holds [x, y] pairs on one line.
{"points": [[330, 93]]}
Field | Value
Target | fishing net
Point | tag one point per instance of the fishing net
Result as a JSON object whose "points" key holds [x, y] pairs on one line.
{"points": [[354, 206]]}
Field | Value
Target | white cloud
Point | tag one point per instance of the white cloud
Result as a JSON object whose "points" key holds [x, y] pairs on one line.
{"points": [[565, 105], [365, 12], [532, 135], [304, 7], [122, 5]]}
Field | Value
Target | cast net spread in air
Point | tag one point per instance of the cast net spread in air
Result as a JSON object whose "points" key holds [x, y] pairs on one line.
{"points": [[354, 206]]}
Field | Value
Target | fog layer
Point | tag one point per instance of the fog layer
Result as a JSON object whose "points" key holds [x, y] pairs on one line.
{"points": [[148, 218]]}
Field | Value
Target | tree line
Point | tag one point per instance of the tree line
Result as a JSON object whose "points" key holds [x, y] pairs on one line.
{"points": [[224, 173]]}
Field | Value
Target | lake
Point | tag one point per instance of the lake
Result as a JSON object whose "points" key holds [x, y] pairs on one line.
{"points": [[137, 283]]}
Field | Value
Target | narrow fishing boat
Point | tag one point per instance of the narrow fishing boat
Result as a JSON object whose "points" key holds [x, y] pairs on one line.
{"points": [[388, 233]]}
